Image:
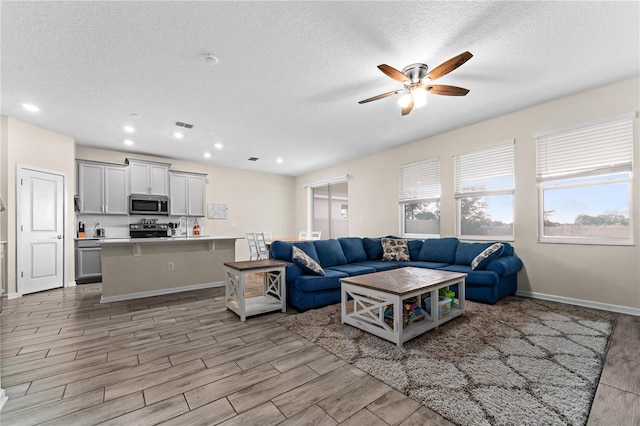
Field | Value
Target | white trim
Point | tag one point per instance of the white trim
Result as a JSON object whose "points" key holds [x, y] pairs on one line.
{"points": [[71, 284], [160, 292], [624, 116], [12, 295], [3, 398], [579, 302], [337, 179]]}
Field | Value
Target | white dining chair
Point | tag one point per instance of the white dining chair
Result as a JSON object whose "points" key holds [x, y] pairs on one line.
{"points": [[267, 235], [253, 246], [263, 253], [303, 235], [315, 235]]}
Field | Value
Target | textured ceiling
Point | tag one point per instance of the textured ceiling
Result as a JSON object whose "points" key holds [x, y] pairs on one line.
{"points": [[290, 74]]}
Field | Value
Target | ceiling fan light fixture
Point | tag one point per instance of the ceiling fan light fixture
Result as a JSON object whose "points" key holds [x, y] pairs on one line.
{"points": [[404, 100], [419, 97]]}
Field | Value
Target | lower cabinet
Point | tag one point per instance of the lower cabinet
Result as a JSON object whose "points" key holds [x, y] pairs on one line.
{"points": [[88, 261]]}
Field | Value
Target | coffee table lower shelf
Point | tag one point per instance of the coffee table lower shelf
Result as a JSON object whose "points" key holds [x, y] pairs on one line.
{"points": [[364, 308]]}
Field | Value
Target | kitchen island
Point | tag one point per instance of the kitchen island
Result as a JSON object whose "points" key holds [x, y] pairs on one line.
{"points": [[133, 268]]}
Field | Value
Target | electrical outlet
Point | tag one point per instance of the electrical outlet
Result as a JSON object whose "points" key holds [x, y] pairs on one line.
{"points": [[171, 266]]}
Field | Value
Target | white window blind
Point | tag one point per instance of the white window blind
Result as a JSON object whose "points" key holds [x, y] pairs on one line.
{"points": [[420, 181], [487, 171], [604, 147]]}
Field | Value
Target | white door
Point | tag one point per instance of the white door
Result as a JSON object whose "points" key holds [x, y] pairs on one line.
{"points": [[41, 239]]}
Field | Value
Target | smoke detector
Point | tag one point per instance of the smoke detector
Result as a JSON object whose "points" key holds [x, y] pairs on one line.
{"points": [[211, 59]]}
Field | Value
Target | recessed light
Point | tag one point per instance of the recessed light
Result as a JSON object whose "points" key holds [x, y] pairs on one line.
{"points": [[31, 107], [129, 129], [207, 155], [218, 146], [279, 161], [128, 142], [178, 135], [211, 59]]}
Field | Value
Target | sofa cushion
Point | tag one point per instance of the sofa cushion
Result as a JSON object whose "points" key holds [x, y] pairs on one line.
{"points": [[481, 261], [439, 250], [395, 249], [353, 249], [466, 252], [331, 280], [414, 248], [281, 250], [373, 247], [306, 262], [309, 248], [423, 264], [352, 269], [379, 265], [330, 252], [477, 278]]}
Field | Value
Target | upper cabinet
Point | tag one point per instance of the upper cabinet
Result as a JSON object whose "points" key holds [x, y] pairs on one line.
{"points": [[148, 177], [187, 196], [102, 188]]}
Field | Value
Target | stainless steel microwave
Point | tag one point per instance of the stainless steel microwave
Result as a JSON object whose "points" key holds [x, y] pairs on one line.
{"points": [[149, 204]]}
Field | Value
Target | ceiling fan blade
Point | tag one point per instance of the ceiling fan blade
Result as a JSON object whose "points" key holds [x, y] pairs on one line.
{"points": [[384, 95], [447, 67], [393, 73], [406, 110], [447, 90]]}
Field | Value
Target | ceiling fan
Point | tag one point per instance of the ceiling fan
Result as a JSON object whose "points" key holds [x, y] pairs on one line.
{"points": [[416, 79]]}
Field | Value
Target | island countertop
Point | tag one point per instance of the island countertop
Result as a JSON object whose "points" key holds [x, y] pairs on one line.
{"points": [[119, 241]]}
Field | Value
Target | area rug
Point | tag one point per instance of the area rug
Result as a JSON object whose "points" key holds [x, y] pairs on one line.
{"points": [[518, 362]]}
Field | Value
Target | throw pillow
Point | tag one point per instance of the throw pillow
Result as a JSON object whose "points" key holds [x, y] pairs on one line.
{"points": [[486, 256], [395, 249], [303, 259]]}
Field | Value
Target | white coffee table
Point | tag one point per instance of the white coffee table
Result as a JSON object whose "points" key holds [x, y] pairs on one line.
{"points": [[274, 297], [365, 298]]}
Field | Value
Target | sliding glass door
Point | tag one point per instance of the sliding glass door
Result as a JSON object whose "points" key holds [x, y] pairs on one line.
{"points": [[330, 210]]}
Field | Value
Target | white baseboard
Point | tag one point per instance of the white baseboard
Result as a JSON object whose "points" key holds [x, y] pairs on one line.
{"points": [[3, 398], [161, 292], [579, 302], [71, 284], [12, 295]]}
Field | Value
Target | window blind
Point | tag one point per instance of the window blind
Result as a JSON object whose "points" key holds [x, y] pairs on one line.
{"points": [[602, 147], [419, 181], [483, 172]]}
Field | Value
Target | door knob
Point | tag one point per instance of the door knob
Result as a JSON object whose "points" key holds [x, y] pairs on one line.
{"points": [[59, 237]]}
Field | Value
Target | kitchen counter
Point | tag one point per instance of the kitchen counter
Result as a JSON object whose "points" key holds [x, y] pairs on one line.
{"points": [[134, 268], [191, 238]]}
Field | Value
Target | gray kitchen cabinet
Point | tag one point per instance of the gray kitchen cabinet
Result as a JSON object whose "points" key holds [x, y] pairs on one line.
{"points": [[102, 188], [187, 195], [88, 261], [148, 177]]}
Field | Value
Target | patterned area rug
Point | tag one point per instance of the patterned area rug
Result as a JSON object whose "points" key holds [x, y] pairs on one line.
{"points": [[518, 362]]}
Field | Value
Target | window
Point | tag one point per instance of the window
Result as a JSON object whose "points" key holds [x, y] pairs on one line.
{"points": [[483, 189], [584, 179], [419, 195]]}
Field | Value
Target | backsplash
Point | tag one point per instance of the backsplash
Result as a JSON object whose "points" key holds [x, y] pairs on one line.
{"points": [[118, 226]]}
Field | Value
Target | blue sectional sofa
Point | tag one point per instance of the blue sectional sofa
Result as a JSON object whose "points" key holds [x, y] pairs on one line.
{"points": [[351, 256]]}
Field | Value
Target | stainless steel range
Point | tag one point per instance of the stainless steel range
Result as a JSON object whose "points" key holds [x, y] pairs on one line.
{"points": [[148, 230]]}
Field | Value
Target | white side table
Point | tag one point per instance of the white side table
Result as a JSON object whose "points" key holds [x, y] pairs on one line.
{"points": [[275, 290]]}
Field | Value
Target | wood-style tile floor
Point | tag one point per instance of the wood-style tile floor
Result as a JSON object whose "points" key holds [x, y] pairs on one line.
{"points": [[183, 359]]}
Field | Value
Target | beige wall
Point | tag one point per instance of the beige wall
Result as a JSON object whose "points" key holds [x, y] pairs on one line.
{"points": [[256, 201], [604, 274], [27, 145]]}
